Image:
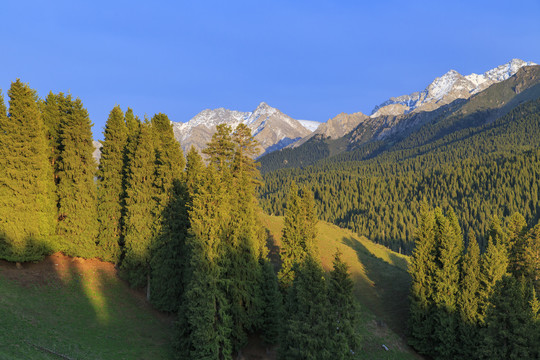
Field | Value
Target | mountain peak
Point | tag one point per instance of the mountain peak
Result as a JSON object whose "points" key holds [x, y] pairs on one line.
{"points": [[447, 88]]}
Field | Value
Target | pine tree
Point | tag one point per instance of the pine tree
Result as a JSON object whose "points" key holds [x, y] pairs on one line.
{"points": [[26, 182], [308, 327], [422, 269], [110, 186], [140, 204], [468, 299], [343, 312], [77, 203]]}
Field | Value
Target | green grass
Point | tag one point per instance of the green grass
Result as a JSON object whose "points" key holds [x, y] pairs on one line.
{"points": [[381, 280], [81, 313]]}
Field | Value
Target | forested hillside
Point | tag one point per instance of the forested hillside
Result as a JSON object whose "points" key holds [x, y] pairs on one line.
{"points": [[470, 160]]}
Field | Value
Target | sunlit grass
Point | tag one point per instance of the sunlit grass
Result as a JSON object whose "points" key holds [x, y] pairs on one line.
{"points": [[381, 285], [79, 313]]}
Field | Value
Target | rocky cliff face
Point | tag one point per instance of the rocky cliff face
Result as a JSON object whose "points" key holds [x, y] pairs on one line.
{"points": [[271, 128], [336, 127], [448, 88]]}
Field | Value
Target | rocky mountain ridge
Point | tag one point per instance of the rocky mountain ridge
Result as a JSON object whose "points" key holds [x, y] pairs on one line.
{"points": [[271, 128], [448, 88]]}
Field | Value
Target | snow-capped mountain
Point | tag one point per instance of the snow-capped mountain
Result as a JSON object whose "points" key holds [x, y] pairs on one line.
{"points": [[310, 124], [270, 127], [447, 88]]}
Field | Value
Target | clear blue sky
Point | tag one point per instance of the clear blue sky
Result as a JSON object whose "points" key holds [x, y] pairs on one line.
{"points": [[311, 59]]}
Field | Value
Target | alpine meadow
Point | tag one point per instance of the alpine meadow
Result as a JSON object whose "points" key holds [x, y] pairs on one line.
{"points": [[230, 221]]}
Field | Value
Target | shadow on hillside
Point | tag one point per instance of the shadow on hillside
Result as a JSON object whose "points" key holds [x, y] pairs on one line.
{"points": [[273, 250], [388, 285]]}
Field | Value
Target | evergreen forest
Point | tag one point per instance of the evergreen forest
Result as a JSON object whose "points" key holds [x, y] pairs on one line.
{"points": [[186, 229]]}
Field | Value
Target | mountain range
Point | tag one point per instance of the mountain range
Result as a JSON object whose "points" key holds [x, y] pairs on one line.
{"points": [[371, 135], [275, 130]]}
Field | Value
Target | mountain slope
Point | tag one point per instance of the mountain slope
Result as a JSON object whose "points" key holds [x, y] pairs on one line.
{"points": [[381, 284], [448, 88], [375, 135], [269, 126], [78, 309], [478, 156]]}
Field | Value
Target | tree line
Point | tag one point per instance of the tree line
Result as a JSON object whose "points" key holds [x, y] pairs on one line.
{"points": [[377, 189], [186, 229], [472, 305]]}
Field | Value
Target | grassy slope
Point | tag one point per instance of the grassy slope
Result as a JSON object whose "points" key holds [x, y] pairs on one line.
{"points": [[79, 309], [382, 284]]}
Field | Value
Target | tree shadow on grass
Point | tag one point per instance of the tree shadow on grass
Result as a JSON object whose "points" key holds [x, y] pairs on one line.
{"points": [[386, 289]]}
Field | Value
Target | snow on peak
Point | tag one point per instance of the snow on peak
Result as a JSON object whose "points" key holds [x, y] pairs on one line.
{"points": [[449, 87], [310, 124]]}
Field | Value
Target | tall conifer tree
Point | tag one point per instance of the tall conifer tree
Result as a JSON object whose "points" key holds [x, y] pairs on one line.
{"points": [[308, 329], [171, 218], [468, 299], [26, 182], [205, 321], [422, 269], [77, 203], [291, 238], [110, 186], [450, 246], [140, 204], [344, 317], [493, 266]]}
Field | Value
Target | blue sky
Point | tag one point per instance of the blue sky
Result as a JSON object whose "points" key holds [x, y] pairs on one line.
{"points": [[311, 59]]}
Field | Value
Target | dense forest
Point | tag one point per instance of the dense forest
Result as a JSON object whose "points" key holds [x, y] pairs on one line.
{"points": [[186, 231], [471, 305], [376, 189]]}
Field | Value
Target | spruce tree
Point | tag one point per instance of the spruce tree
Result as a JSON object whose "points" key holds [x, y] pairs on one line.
{"points": [[272, 301], [516, 230], [449, 244], [291, 238], [220, 149], [422, 270], [26, 181], [531, 256], [309, 231], [170, 216], [50, 112], [308, 329], [194, 170], [493, 266], [205, 311], [110, 186], [468, 299], [77, 203], [345, 340], [509, 325], [140, 204]]}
